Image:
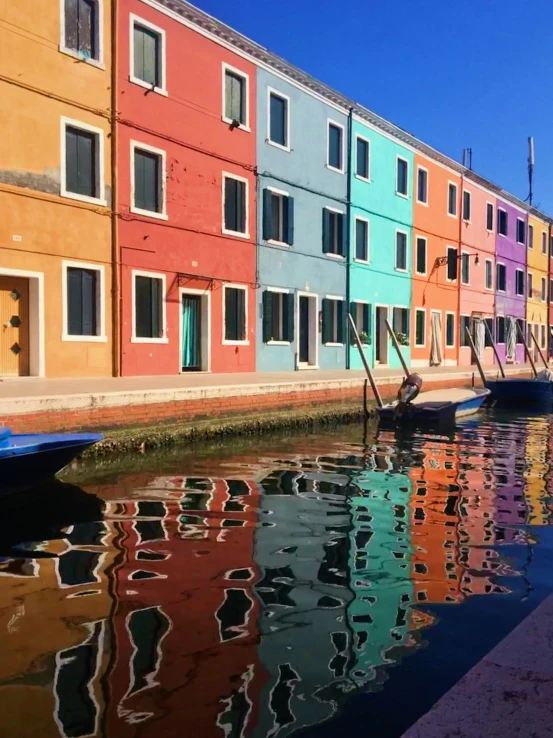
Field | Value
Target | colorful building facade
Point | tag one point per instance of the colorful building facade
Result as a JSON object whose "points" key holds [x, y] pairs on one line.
{"points": [[537, 285]]}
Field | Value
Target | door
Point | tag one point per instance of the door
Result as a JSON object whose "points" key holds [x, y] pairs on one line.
{"points": [[191, 333], [435, 338], [304, 330], [14, 327], [479, 338], [381, 336]]}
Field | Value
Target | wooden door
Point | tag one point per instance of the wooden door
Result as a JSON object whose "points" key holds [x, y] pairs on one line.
{"points": [[14, 327]]}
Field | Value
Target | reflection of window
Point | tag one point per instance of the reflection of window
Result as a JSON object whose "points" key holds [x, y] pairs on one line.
{"points": [[77, 566], [233, 614], [87, 534], [149, 530], [147, 629]]}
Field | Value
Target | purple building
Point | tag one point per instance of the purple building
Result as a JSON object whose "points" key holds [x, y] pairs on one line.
{"points": [[510, 283]]}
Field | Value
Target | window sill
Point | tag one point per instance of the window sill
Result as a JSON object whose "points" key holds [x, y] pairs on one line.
{"points": [[241, 127], [278, 243], [278, 146], [84, 339], [466, 221], [398, 269], [224, 342], [361, 261], [367, 180], [149, 213], [452, 215], [83, 198], [236, 234], [335, 256], [137, 339], [332, 344], [420, 345], [146, 86], [79, 57], [424, 204], [502, 235], [402, 194], [465, 284], [279, 343], [334, 169], [306, 367], [422, 274]]}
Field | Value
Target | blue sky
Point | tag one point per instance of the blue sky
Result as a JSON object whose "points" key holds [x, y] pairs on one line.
{"points": [[454, 73]]}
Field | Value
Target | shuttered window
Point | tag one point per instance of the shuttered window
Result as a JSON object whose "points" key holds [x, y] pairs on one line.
{"points": [[235, 205], [81, 162], [334, 233], [235, 97], [82, 301], [278, 119], [147, 50], [335, 146], [521, 228], [333, 321], [278, 316], [147, 181], [278, 217], [81, 27], [235, 314], [361, 313], [148, 305]]}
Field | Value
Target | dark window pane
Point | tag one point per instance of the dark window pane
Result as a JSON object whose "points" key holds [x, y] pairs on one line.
{"points": [[401, 251], [278, 120], [235, 205], [235, 98], [148, 307], [452, 200], [500, 329], [80, 20], [452, 264], [520, 231], [235, 314], [466, 205], [147, 184], [80, 162], [361, 240], [450, 330], [489, 332], [489, 216], [362, 158], [419, 328], [421, 255], [147, 629], [334, 146], [147, 56], [402, 176], [465, 268], [81, 302], [422, 185]]}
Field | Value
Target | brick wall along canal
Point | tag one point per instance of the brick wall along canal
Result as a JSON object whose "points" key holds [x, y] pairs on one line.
{"points": [[307, 585]]}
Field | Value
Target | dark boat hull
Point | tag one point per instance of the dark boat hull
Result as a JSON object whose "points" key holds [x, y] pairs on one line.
{"points": [[521, 392]]}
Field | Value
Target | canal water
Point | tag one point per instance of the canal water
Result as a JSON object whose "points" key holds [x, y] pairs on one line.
{"points": [[334, 584]]}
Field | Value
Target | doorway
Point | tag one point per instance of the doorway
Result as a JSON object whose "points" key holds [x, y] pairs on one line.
{"points": [[307, 331], [14, 327], [191, 340], [381, 336], [436, 338]]}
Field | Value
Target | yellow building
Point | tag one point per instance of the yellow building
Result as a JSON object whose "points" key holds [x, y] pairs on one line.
{"points": [[55, 188], [537, 283]]}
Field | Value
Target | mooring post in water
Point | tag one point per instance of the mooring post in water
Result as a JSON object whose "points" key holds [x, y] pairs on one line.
{"points": [[488, 331], [478, 364], [530, 359], [376, 393], [539, 349], [397, 348], [365, 406]]}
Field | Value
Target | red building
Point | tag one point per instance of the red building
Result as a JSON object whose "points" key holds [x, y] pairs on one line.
{"points": [[185, 198]]}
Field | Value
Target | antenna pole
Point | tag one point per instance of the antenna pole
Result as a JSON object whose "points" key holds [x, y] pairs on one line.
{"points": [[531, 168]]}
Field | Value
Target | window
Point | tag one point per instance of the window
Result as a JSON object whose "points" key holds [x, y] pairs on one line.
{"points": [[278, 217], [543, 289], [82, 162], [530, 236], [361, 314], [279, 120], [501, 278], [400, 320], [551, 290], [421, 255], [488, 333], [420, 327], [362, 158], [148, 180], [81, 31], [402, 174], [361, 239], [278, 317], [466, 205], [520, 329], [520, 231], [148, 307], [544, 242], [551, 247], [235, 314], [464, 324], [450, 330], [529, 280], [335, 153], [422, 186], [235, 103], [147, 55], [519, 282], [500, 332], [83, 302], [542, 336], [334, 232], [465, 268], [451, 264], [333, 321], [401, 251], [235, 205], [452, 199], [502, 222], [489, 216], [489, 274]]}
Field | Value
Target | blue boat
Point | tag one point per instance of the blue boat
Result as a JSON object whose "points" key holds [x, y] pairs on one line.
{"points": [[521, 391], [436, 407], [27, 460]]}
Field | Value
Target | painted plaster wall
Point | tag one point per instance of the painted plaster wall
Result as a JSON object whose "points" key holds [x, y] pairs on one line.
{"points": [[301, 172], [378, 282], [538, 266]]}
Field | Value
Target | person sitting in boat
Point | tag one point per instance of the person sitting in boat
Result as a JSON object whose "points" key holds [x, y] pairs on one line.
{"points": [[410, 388]]}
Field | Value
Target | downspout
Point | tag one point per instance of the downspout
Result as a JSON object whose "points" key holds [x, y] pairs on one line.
{"points": [[116, 307], [348, 233]]}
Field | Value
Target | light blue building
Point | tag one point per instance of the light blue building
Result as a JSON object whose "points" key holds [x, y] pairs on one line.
{"points": [[381, 234], [302, 159]]}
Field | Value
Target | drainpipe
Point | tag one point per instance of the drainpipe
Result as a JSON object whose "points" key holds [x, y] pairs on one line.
{"points": [[348, 231], [116, 307]]}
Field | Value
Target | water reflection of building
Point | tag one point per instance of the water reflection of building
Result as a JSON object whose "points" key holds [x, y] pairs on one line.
{"points": [[536, 471]]}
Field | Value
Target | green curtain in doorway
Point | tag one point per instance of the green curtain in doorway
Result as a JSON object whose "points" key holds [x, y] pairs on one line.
{"points": [[190, 333]]}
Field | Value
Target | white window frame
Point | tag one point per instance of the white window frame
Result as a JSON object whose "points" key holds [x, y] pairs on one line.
{"points": [[340, 212], [502, 235], [450, 345], [501, 264], [361, 302], [396, 268], [246, 77], [469, 219], [368, 223], [488, 202], [496, 334], [398, 193], [273, 241], [367, 141], [530, 243], [163, 51], [421, 238], [100, 162], [329, 123], [286, 98], [99, 62], [423, 169], [280, 291], [543, 295], [224, 341], [544, 242], [423, 344], [227, 231], [490, 262], [151, 275], [463, 338], [463, 253], [162, 184], [456, 213], [529, 281], [457, 271], [336, 298], [101, 337], [520, 243]]}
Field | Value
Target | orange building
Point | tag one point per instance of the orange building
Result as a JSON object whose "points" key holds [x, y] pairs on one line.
{"points": [[435, 295], [55, 190]]}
